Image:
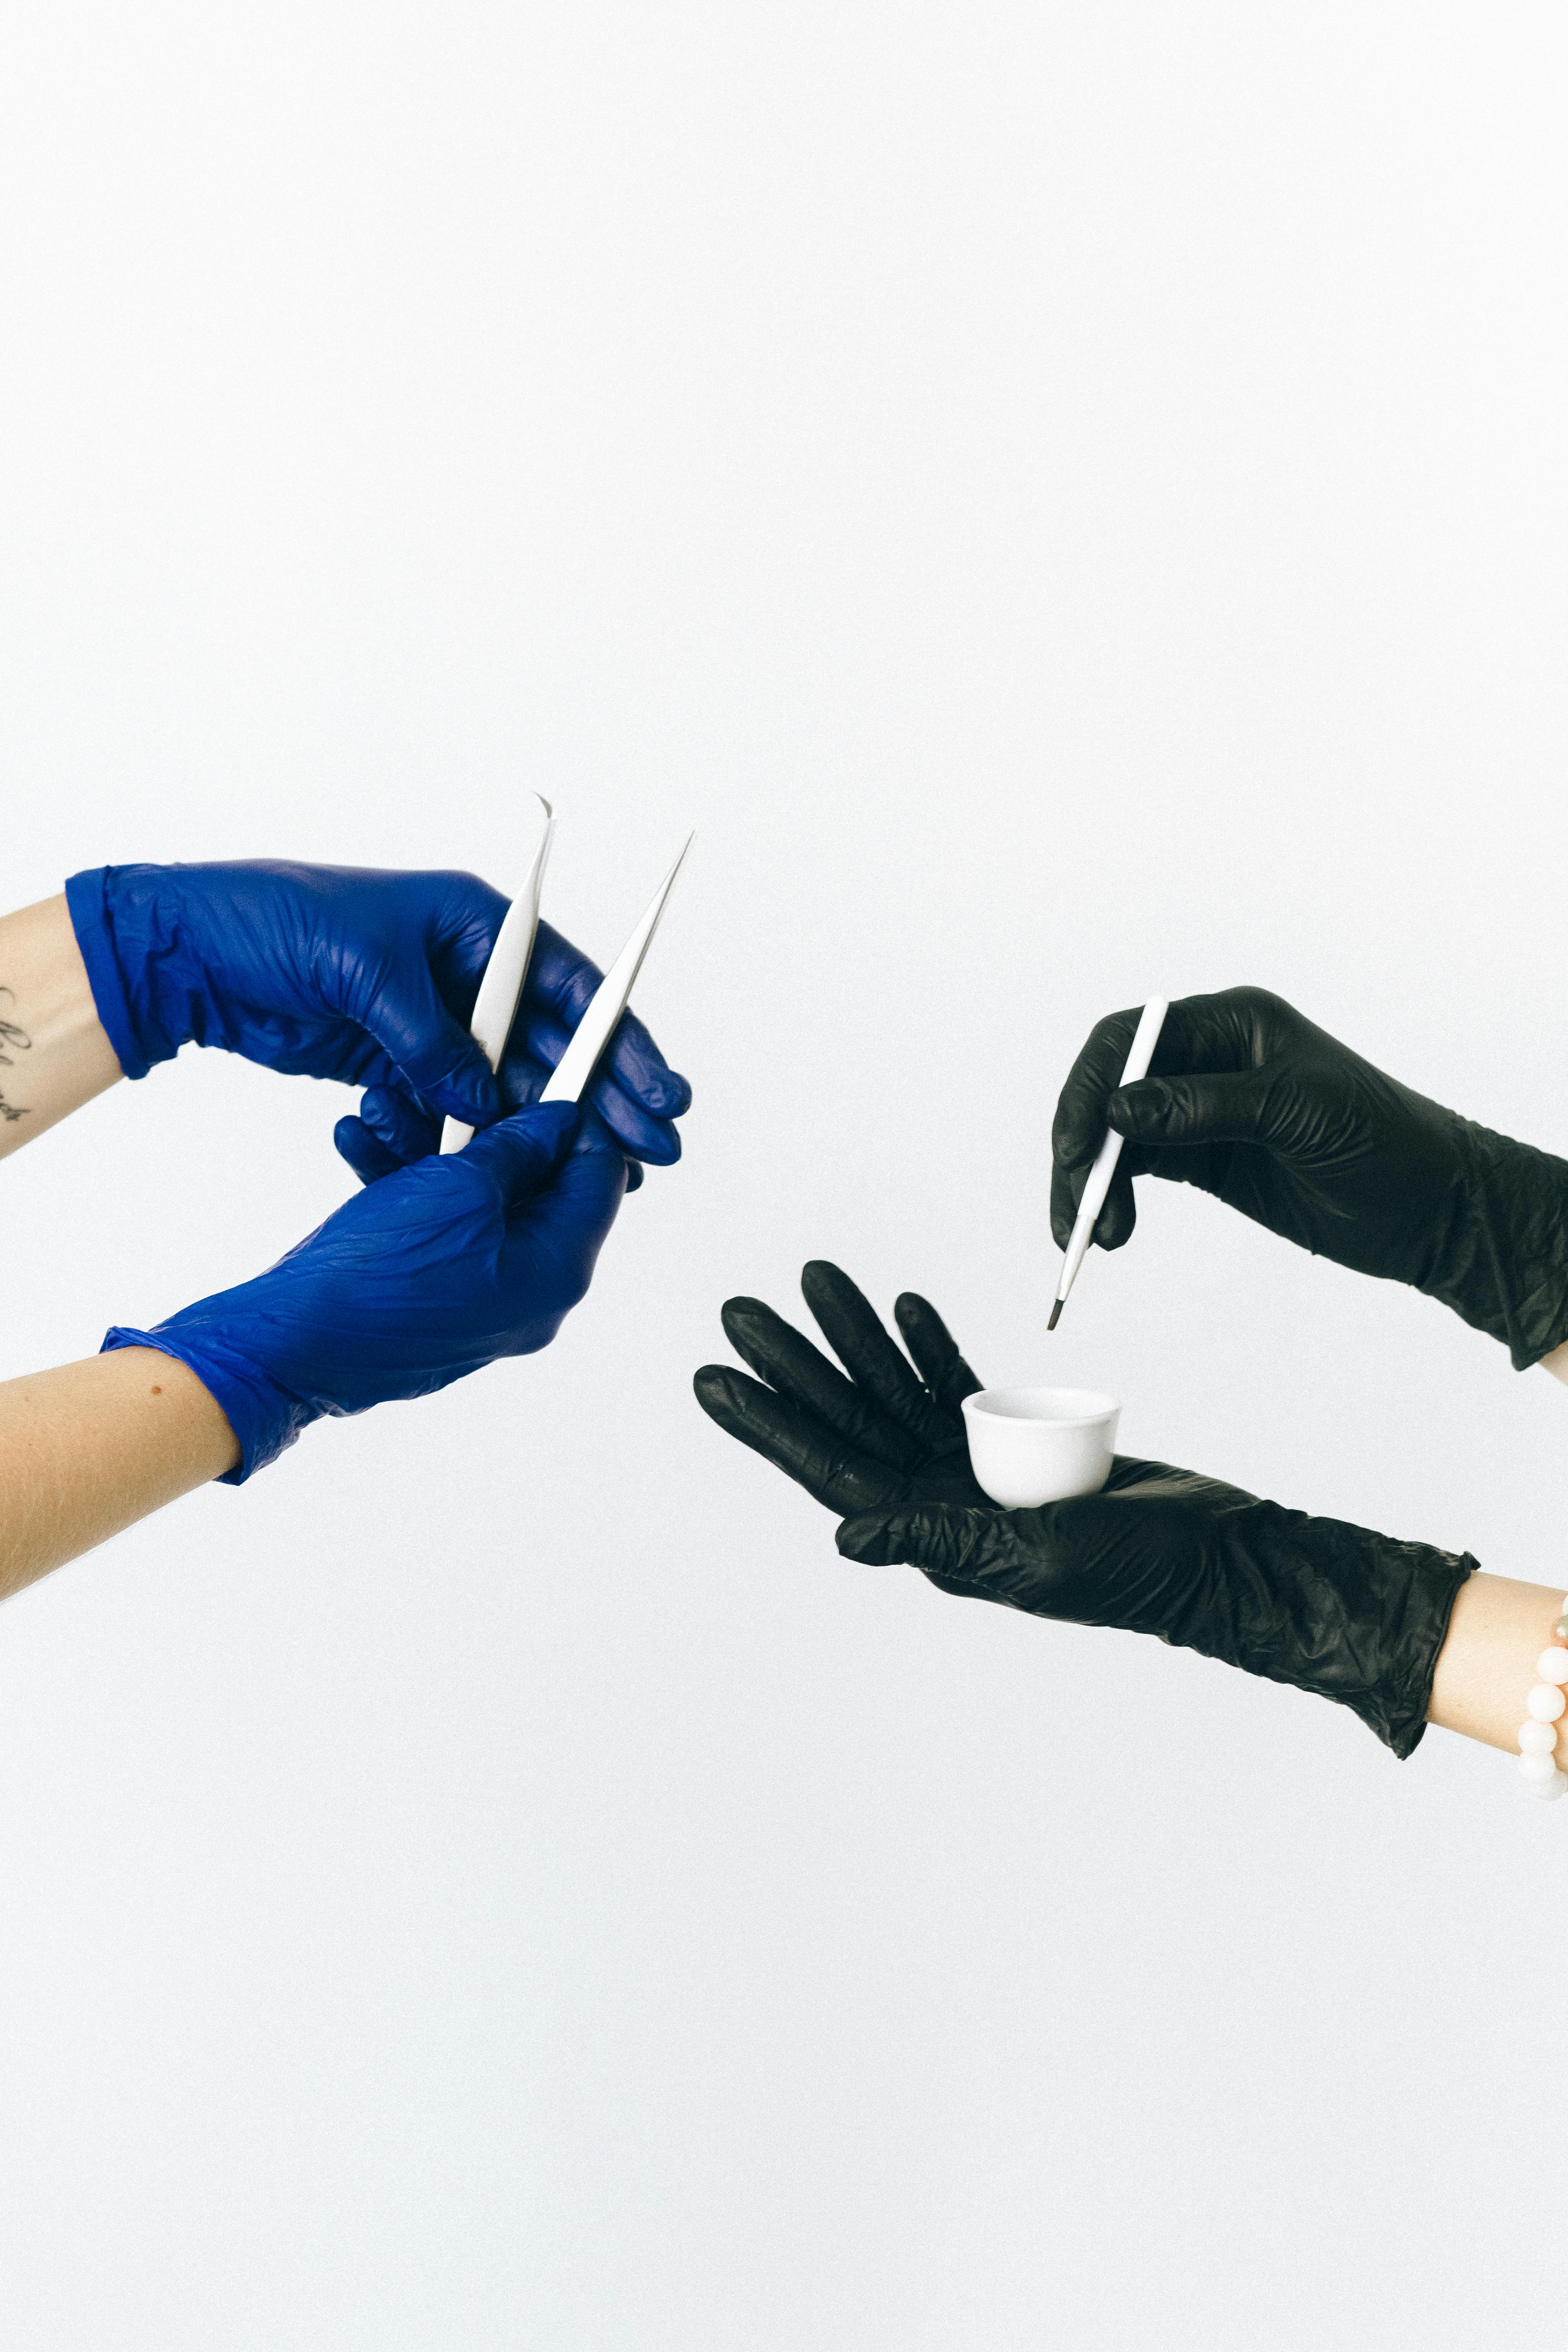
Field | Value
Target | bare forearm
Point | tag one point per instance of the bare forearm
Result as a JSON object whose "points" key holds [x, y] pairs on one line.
{"points": [[54, 1054], [1486, 1666], [88, 1449]]}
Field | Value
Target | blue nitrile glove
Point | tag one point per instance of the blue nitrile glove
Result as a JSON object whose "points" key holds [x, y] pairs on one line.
{"points": [[347, 972], [408, 1286]]}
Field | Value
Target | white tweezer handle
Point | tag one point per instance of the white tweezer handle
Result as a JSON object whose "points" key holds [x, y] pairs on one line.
{"points": [[1145, 1037], [501, 990], [570, 1074]]}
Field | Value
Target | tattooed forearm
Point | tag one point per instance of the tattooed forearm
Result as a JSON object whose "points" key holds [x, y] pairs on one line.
{"points": [[12, 1041]]}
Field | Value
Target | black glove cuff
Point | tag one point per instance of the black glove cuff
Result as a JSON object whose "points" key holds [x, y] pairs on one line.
{"points": [[1336, 1610], [1503, 1263], [1396, 1707]]}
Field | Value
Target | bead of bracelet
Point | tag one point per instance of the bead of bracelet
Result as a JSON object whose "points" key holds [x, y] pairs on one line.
{"points": [[1537, 1734]]}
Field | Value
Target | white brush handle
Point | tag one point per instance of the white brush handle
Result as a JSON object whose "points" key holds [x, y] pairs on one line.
{"points": [[1145, 1037], [570, 1074], [501, 990]]}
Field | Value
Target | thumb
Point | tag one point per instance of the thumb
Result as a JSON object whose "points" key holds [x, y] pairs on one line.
{"points": [[951, 1543], [520, 1154], [433, 1052], [1227, 1107]]}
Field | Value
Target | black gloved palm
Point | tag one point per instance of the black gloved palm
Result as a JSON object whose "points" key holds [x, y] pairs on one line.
{"points": [[1249, 1101], [1332, 1608]]}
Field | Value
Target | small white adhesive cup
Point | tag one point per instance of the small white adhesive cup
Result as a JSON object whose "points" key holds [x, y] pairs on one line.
{"points": [[1029, 1446]]}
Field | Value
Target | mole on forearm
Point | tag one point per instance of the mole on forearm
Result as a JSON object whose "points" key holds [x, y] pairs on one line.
{"points": [[12, 1041]]}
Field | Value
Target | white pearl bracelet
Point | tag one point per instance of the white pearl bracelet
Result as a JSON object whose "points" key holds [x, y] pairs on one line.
{"points": [[1538, 1767]]}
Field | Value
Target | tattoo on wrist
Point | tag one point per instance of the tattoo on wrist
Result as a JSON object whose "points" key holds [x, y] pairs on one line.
{"points": [[12, 1041]]}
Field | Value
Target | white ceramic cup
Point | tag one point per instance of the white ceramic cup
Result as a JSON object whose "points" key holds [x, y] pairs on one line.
{"points": [[1040, 1445]]}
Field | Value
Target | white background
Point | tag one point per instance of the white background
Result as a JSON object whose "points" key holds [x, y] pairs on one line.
{"points": [[1070, 503]]}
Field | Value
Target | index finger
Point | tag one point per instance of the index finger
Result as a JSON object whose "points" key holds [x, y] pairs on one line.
{"points": [[1078, 1129]]}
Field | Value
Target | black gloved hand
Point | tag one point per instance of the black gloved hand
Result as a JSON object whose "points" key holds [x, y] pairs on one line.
{"points": [[1247, 1100], [1329, 1607]]}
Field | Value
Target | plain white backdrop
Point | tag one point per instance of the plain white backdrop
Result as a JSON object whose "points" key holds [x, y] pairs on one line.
{"points": [[1070, 503]]}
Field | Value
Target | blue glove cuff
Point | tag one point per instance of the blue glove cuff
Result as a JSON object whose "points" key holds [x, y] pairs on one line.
{"points": [[264, 1418], [87, 903]]}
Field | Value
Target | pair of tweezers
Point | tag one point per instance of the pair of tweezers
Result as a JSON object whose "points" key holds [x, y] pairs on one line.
{"points": [[501, 990]]}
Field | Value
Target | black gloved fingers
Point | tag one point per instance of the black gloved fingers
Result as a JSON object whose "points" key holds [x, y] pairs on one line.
{"points": [[858, 1338], [795, 1442], [1114, 1224], [1078, 1130], [1199, 1034], [786, 1360], [935, 1352], [1209, 1107]]}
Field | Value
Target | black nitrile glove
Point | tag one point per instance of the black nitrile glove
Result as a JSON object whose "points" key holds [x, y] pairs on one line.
{"points": [[1329, 1607], [1250, 1102]]}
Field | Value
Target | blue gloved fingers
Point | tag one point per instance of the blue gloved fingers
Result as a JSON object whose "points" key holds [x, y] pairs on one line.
{"points": [[397, 1120], [856, 1334], [521, 1154], [365, 1153], [935, 1352], [432, 1049], [595, 1135], [786, 1360], [524, 1079], [564, 1226], [537, 1042], [394, 1131], [593, 1180], [464, 924], [561, 981], [831, 1470], [637, 1131]]}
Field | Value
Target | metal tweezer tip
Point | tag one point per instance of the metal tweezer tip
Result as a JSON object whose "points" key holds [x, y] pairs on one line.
{"points": [[1055, 1312]]}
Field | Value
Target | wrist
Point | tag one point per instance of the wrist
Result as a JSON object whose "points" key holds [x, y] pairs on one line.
{"points": [[123, 929], [1486, 1664], [263, 1416], [55, 1054]]}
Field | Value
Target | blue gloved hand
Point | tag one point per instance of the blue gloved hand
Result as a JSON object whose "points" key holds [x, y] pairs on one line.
{"points": [[334, 971], [635, 1099], [411, 1284]]}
